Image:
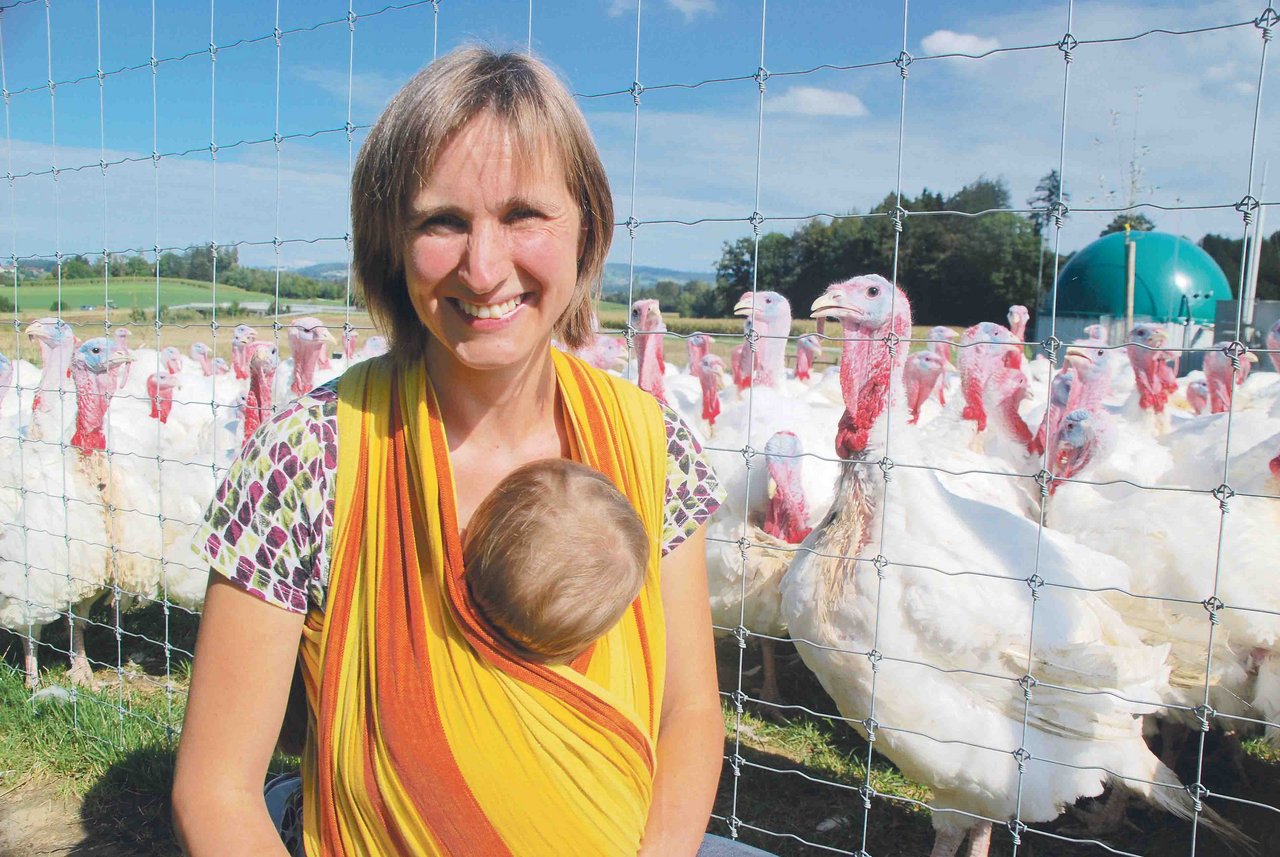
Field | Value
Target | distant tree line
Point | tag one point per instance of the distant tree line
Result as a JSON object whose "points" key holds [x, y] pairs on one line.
{"points": [[692, 299], [1229, 253], [957, 270], [194, 263]]}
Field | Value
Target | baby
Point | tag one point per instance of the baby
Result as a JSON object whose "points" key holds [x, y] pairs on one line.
{"points": [[554, 556]]}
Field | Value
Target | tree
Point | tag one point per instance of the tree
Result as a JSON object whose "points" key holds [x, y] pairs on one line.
{"points": [[138, 266], [1135, 220], [1228, 253], [1048, 191], [77, 268]]}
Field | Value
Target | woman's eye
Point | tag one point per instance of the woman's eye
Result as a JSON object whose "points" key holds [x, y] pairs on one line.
{"points": [[443, 223], [522, 214]]}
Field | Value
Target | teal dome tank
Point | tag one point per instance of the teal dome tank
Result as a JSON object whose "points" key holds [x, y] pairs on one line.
{"points": [[1172, 278]]}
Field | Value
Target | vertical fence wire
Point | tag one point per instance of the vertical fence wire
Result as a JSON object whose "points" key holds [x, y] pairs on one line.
{"points": [[872, 753]]}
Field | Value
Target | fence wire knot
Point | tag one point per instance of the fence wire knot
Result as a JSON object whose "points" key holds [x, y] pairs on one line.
{"points": [[752, 339], [1247, 205], [1051, 347], [886, 464], [1213, 604], [632, 225], [276, 34], [735, 762], [904, 59], [213, 52], [1198, 793], [637, 90], [748, 453], [738, 698], [734, 823], [1027, 682], [740, 634], [352, 17], [1067, 44], [629, 334], [1044, 479], [1236, 350], [1016, 827], [1223, 494], [761, 75], [881, 562], [1268, 19], [898, 217], [1022, 755], [1058, 211], [1204, 714], [867, 791], [871, 725], [875, 658], [756, 220]]}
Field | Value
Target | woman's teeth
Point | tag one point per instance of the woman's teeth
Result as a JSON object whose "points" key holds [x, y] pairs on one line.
{"points": [[491, 310]]}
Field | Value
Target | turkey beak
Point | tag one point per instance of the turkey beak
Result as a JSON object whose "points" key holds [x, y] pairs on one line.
{"points": [[772, 488], [826, 302], [36, 329], [327, 336], [746, 306], [119, 358], [1159, 339], [1251, 357]]}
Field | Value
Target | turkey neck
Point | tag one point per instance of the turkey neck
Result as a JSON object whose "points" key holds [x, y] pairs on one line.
{"points": [[649, 345], [57, 364], [305, 357], [1012, 424], [846, 530], [93, 395], [771, 362], [257, 402]]}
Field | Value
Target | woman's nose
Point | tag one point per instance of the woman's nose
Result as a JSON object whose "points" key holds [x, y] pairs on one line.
{"points": [[487, 263]]}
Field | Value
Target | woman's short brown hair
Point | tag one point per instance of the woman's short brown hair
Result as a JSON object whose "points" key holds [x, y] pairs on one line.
{"points": [[400, 153]]}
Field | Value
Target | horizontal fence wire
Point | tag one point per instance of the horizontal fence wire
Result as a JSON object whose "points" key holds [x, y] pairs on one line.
{"points": [[860, 678]]}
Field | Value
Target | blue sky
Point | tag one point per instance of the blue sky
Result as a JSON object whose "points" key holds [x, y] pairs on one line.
{"points": [[1183, 104]]}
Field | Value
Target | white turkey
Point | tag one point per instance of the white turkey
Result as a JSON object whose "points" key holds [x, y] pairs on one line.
{"points": [[927, 597], [55, 537], [746, 558]]}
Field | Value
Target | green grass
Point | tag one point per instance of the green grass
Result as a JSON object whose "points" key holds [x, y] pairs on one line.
{"points": [[130, 292]]}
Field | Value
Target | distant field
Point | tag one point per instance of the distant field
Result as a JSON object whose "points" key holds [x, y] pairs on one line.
{"points": [[129, 292]]}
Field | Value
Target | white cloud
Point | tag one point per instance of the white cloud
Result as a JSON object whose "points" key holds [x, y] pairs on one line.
{"points": [[950, 42], [812, 101], [369, 90], [692, 8], [689, 8]]}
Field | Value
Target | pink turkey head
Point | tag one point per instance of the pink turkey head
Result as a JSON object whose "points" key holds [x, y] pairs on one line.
{"points": [[646, 320], [160, 387], [920, 376], [1097, 332], [1198, 395], [786, 516], [875, 316], [91, 366], [308, 337], [1077, 445], [1146, 354], [699, 345], [770, 317], [1005, 392], [942, 341], [710, 373], [202, 355], [263, 361], [984, 348], [171, 359], [349, 338], [1018, 318]]}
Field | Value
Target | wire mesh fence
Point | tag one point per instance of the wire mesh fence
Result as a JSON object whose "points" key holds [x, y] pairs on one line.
{"points": [[986, 621]]}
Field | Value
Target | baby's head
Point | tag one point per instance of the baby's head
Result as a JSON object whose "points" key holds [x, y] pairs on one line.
{"points": [[554, 556]]}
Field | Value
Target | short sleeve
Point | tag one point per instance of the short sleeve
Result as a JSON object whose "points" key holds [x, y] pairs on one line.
{"points": [[265, 527], [693, 493]]}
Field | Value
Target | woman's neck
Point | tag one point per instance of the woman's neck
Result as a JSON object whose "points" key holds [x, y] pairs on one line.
{"points": [[504, 405]]}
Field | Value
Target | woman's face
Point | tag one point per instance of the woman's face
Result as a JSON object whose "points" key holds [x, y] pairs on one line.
{"points": [[491, 260]]}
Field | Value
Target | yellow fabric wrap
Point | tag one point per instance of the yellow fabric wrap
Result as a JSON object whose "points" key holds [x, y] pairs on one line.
{"points": [[428, 736]]}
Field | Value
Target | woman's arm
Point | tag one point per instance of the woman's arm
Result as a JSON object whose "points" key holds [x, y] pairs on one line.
{"points": [[691, 737], [245, 654]]}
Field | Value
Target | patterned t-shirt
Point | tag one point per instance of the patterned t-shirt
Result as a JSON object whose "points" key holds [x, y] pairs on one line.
{"points": [[269, 525]]}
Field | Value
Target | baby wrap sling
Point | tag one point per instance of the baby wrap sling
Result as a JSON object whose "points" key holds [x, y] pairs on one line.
{"points": [[427, 736]]}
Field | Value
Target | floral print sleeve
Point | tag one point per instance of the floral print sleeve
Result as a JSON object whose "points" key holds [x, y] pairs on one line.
{"points": [[269, 526], [266, 527], [693, 492]]}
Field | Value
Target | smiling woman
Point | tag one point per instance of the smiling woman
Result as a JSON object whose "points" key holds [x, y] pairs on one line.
{"points": [[481, 220]]}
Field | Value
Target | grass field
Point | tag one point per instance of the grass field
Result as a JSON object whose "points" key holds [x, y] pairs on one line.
{"points": [[107, 762], [126, 292]]}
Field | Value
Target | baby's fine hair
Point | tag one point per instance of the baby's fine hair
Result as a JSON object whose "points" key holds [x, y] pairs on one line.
{"points": [[554, 556]]}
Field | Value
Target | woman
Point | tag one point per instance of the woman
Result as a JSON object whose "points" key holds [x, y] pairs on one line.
{"points": [[481, 220]]}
